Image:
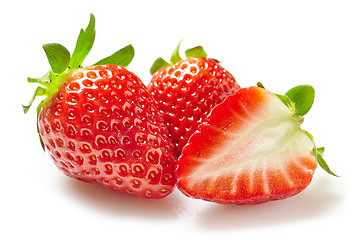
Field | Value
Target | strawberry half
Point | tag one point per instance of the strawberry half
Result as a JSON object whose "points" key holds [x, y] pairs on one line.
{"points": [[251, 150], [99, 124], [187, 90]]}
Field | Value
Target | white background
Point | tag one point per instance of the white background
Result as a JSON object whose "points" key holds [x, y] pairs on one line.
{"points": [[280, 43]]}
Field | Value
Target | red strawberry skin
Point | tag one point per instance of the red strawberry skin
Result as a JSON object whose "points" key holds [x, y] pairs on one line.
{"points": [[249, 150], [102, 126], [186, 92]]}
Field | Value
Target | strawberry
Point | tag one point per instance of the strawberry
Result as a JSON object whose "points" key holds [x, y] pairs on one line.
{"points": [[187, 90], [99, 124], [251, 149]]}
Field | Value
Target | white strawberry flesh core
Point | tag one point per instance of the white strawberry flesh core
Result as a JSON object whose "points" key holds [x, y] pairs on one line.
{"points": [[266, 138]]}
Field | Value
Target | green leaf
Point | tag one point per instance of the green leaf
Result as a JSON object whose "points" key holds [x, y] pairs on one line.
{"points": [[83, 45], [260, 85], [58, 57], [158, 64], [287, 101], [42, 80], [318, 153], [122, 57], [196, 52], [38, 92], [303, 97], [175, 57]]}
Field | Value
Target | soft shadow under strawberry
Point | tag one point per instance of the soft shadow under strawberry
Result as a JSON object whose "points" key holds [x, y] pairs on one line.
{"points": [[312, 203], [111, 202]]}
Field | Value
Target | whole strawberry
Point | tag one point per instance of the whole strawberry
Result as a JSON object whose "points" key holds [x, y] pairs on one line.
{"points": [[99, 124], [187, 90], [251, 149]]}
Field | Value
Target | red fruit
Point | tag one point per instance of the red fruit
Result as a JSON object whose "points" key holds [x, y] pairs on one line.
{"points": [[187, 91], [102, 126], [99, 124], [249, 150]]}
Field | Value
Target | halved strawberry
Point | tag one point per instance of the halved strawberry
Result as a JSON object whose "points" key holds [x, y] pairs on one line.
{"points": [[187, 90], [250, 149]]}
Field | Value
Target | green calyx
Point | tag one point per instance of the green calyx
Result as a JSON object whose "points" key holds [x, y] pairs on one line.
{"points": [[62, 63], [175, 57], [300, 100]]}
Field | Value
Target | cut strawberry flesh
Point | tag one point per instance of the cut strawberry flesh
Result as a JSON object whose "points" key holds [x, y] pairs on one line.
{"points": [[250, 149]]}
